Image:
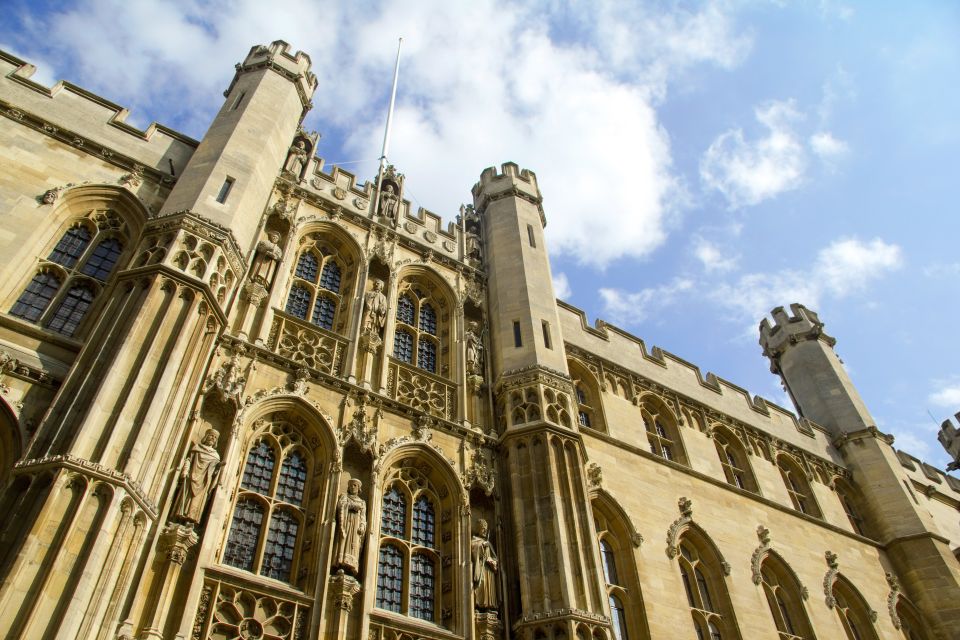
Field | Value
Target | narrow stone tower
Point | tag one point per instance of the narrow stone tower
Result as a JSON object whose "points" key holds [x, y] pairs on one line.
{"points": [[802, 354], [82, 520], [555, 580]]}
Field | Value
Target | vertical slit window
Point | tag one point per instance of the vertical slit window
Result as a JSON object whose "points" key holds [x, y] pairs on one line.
{"points": [[225, 190], [293, 479], [403, 346], [238, 101], [390, 578], [421, 587], [423, 522], [281, 543], [307, 267], [244, 537], [72, 308], [517, 338], [36, 297], [103, 259], [71, 246], [298, 302], [530, 236], [546, 334], [258, 471], [330, 278], [394, 516]]}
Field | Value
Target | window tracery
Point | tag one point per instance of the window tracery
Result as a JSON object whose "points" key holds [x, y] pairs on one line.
{"points": [[619, 570], [853, 612], [662, 432], [419, 330], [316, 292], [733, 459], [795, 480], [845, 494], [706, 593], [784, 598], [77, 268]]}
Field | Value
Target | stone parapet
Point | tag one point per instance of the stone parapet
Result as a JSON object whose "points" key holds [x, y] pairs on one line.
{"points": [[511, 182], [788, 330]]}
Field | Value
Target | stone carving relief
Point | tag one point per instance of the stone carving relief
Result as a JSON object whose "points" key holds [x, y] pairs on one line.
{"points": [[484, 566], [892, 599], [362, 428], [351, 526], [388, 202], [473, 337], [480, 472], [297, 158], [764, 535], [344, 589], [374, 314], [833, 568], [198, 475], [594, 475], [243, 614], [422, 392], [685, 521], [228, 382], [306, 346]]}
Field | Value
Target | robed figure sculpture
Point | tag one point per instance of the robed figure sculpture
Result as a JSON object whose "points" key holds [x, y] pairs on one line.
{"points": [[199, 473], [351, 525], [484, 563]]}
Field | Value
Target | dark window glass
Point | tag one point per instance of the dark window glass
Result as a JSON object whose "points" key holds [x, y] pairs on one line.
{"points": [[403, 346], [581, 396], [609, 563], [421, 587], [517, 338], [324, 312], [293, 478], [35, 298], [530, 237], [104, 257], [307, 267], [427, 355], [423, 522], [618, 618], [405, 310], [225, 190], [704, 591], [394, 514], [699, 630], [72, 308], [71, 246], [428, 319], [281, 542], [687, 586], [715, 633], [786, 615], [330, 278], [298, 301], [258, 471], [390, 578], [584, 418], [244, 534]]}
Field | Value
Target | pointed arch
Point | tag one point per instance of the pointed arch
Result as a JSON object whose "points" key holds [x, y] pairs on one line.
{"points": [[798, 486], [663, 428], [702, 570], [589, 398], [912, 625], [734, 459], [424, 320], [785, 596], [849, 497], [856, 616]]}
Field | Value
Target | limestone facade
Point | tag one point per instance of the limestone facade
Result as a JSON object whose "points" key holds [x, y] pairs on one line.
{"points": [[245, 397]]}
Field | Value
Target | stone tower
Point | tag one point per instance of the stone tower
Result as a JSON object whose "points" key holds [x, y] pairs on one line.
{"points": [[555, 580], [802, 354], [83, 512]]}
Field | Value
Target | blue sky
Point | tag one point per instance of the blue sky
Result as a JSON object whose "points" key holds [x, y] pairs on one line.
{"points": [[700, 162]]}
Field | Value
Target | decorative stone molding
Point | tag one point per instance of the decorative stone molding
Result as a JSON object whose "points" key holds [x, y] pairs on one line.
{"points": [[344, 588], [892, 599], [202, 609], [177, 540], [833, 566], [361, 429], [594, 476], [11, 366], [228, 382], [764, 535], [480, 472], [685, 521], [488, 625]]}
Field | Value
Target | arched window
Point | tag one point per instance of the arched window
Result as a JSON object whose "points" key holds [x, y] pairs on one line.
{"points": [[801, 495], [268, 516], [845, 493], [853, 611], [615, 539], [315, 292], [733, 459], [705, 590], [417, 332], [662, 431], [589, 401], [911, 623], [783, 594], [609, 562], [618, 619], [70, 278], [412, 543]]}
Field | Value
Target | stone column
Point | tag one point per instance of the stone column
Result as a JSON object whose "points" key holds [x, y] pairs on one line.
{"points": [[343, 589], [176, 540]]}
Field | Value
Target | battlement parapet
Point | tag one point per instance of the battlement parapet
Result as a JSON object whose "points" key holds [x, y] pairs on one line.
{"points": [[511, 181], [276, 56], [949, 437], [788, 330], [88, 121]]}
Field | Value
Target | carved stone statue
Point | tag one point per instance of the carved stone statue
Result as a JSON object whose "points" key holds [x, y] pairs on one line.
{"points": [[388, 202], [374, 309], [474, 349], [267, 256], [949, 437], [484, 563], [474, 250], [199, 473], [296, 158], [351, 525]]}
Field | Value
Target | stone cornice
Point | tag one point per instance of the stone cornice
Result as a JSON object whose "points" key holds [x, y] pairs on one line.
{"points": [[204, 227]]}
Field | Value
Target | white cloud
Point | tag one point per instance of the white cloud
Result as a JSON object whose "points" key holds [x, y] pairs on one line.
{"points": [[748, 172], [713, 257], [626, 308], [947, 394], [561, 286], [827, 147], [850, 264], [942, 270]]}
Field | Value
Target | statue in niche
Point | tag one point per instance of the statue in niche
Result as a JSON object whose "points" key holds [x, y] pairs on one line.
{"points": [[351, 525], [296, 158], [268, 255], [374, 309], [474, 349], [474, 250], [484, 563], [388, 202], [199, 473]]}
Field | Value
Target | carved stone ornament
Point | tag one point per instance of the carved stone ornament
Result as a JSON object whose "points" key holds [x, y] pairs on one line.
{"points": [[49, 196], [177, 540], [764, 535], [361, 429], [339, 193], [480, 472], [360, 204], [685, 521], [892, 598], [344, 588], [300, 379], [198, 475], [828, 579], [255, 293], [594, 475], [423, 428], [134, 178], [228, 382], [350, 530]]}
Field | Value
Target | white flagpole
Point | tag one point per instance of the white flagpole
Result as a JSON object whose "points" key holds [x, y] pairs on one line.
{"points": [[386, 131]]}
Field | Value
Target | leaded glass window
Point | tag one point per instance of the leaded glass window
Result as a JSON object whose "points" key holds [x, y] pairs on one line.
{"points": [[421, 587], [390, 578], [323, 312], [427, 356], [298, 302], [403, 346], [394, 514], [307, 267], [330, 278], [428, 319], [258, 472], [71, 246], [35, 298], [405, 310], [72, 308], [104, 257], [293, 478], [244, 537], [281, 542], [423, 522]]}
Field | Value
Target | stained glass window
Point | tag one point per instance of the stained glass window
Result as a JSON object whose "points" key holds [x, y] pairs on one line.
{"points": [[405, 310], [281, 542], [403, 346], [423, 522], [330, 278], [102, 260], [258, 472], [71, 246], [323, 312], [34, 300], [390, 578], [307, 267], [241, 546], [394, 514], [298, 302], [72, 308], [293, 478], [428, 319], [421, 587], [427, 355]]}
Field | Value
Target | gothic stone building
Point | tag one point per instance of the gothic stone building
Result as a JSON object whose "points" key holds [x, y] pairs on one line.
{"points": [[245, 397]]}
